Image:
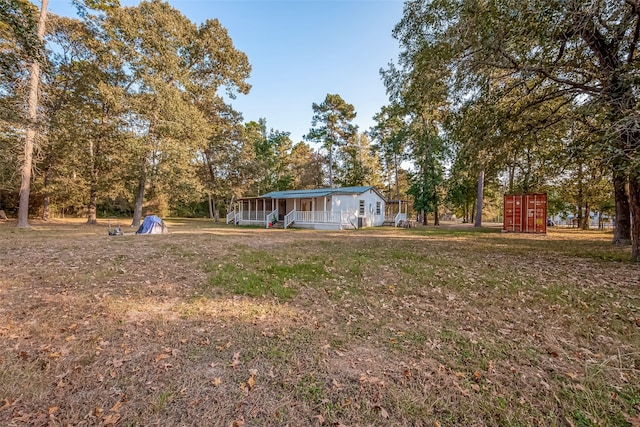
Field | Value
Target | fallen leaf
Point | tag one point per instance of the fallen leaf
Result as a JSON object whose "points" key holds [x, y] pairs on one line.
{"points": [[216, 381], [320, 418], [7, 404], [236, 359], [161, 356], [116, 407], [251, 382], [634, 421], [111, 419], [117, 363], [53, 409]]}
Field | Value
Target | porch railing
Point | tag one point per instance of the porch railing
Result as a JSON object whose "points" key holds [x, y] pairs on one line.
{"points": [[289, 218], [400, 217], [254, 216], [321, 217], [231, 216], [270, 216], [343, 218]]}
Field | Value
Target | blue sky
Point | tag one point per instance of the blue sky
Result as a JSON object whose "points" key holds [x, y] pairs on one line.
{"points": [[300, 50]]}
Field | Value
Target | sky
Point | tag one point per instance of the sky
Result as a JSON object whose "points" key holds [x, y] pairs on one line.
{"points": [[301, 50]]}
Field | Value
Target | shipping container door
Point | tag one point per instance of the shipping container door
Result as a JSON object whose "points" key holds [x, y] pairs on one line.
{"points": [[512, 213], [536, 213]]}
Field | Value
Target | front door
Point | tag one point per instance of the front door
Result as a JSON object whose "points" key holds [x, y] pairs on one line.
{"points": [[282, 209]]}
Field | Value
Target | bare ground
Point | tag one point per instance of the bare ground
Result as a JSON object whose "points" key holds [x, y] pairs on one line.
{"points": [[373, 327]]}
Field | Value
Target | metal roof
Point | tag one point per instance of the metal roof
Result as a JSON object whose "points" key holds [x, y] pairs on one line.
{"points": [[318, 192]]}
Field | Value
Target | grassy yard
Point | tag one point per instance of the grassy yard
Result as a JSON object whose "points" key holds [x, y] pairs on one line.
{"points": [[220, 325]]}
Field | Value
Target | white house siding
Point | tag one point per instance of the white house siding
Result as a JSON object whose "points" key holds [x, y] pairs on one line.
{"points": [[351, 203]]}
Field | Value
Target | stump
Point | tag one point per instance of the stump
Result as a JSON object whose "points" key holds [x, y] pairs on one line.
{"points": [[3, 216]]}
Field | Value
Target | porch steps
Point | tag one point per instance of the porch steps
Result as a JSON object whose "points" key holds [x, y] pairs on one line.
{"points": [[278, 225]]}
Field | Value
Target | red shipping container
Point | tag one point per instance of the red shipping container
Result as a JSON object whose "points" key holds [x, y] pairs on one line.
{"points": [[525, 213]]}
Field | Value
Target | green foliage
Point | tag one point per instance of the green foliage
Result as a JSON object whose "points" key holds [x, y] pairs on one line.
{"points": [[332, 126], [517, 86], [358, 163]]}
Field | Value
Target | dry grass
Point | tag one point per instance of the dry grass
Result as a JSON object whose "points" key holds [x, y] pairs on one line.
{"points": [[219, 325]]}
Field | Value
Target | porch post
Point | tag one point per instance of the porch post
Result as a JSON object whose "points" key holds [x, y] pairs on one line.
{"points": [[294, 204]]}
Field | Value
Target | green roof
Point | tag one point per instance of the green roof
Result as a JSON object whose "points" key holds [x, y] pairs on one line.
{"points": [[318, 192]]}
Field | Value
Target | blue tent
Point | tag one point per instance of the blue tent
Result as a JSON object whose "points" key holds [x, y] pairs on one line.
{"points": [[152, 225]]}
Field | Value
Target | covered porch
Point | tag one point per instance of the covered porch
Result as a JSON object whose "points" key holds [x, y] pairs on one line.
{"points": [[396, 211], [304, 212]]}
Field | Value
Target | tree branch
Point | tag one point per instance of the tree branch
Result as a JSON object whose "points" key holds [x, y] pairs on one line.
{"points": [[636, 34]]}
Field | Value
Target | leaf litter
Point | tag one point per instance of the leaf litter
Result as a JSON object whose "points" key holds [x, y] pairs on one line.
{"points": [[403, 327]]}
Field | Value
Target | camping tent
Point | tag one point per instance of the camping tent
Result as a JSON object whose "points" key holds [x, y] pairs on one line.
{"points": [[152, 225]]}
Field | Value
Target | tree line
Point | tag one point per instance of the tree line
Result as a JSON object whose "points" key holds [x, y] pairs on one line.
{"points": [[122, 110], [541, 96], [131, 113]]}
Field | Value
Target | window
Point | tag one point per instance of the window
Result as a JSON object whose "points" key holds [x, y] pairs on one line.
{"points": [[378, 206], [361, 211]]}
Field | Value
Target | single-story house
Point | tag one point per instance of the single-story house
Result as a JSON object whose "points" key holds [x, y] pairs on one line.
{"points": [[322, 208]]}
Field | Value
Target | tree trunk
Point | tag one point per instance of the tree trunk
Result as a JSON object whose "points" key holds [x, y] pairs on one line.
{"points": [[585, 218], [142, 182], [93, 204], [210, 207], [93, 188], [230, 206], [436, 216], [634, 204], [395, 162], [47, 197], [473, 211], [622, 230], [144, 170], [331, 167], [30, 134], [478, 222]]}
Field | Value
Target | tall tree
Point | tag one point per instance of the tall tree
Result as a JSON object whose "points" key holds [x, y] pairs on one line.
{"points": [[227, 156], [332, 126], [31, 123], [585, 51], [306, 167], [390, 136], [167, 63], [358, 163]]}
